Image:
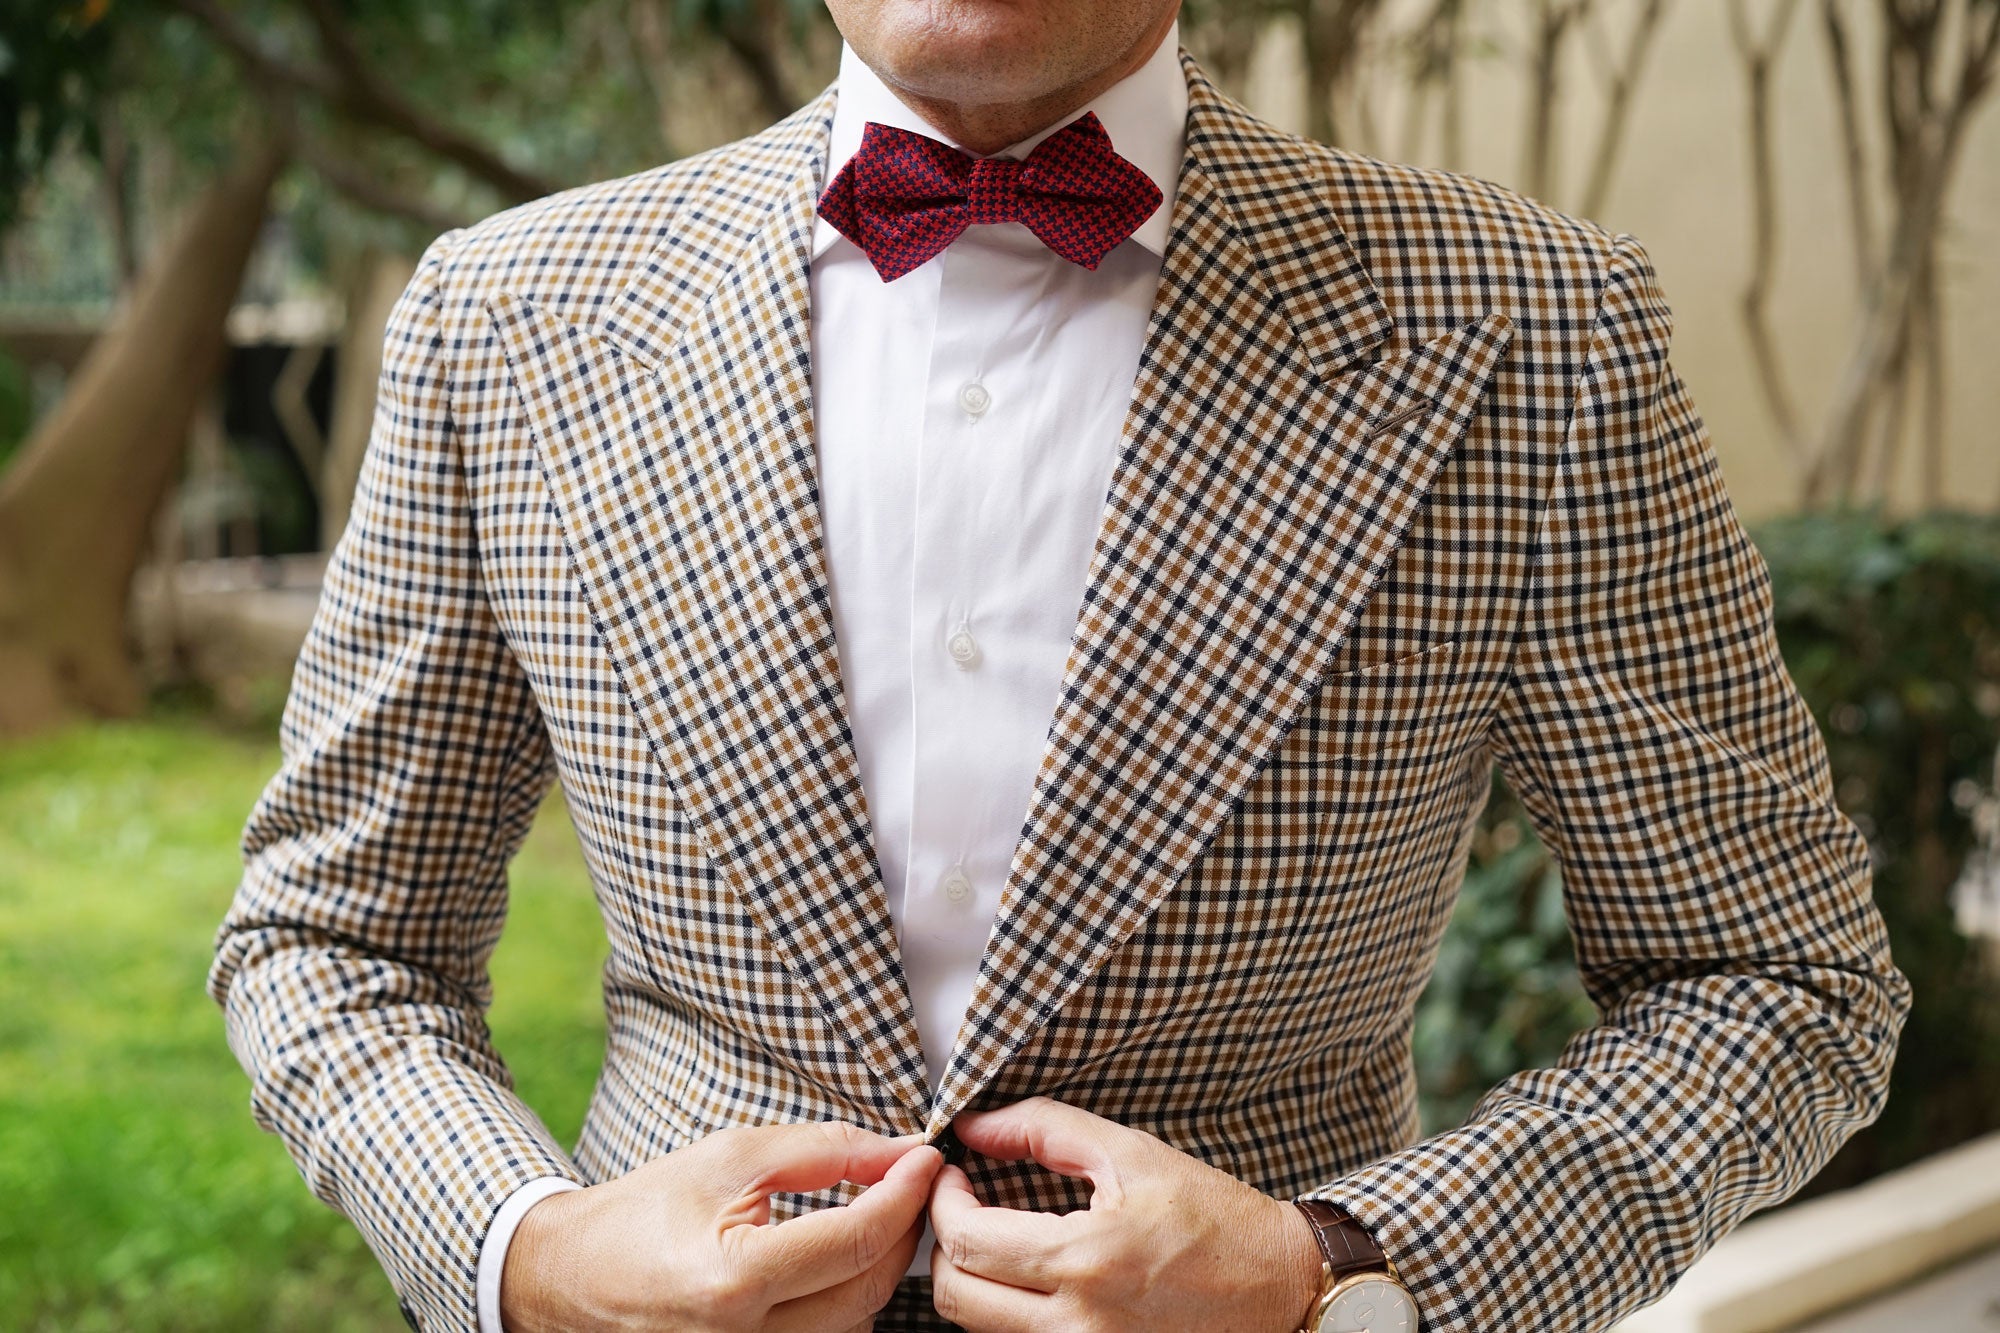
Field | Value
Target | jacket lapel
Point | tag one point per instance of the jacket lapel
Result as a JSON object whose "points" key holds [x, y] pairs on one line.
{"points": [[1264, 485], [678, 442]]}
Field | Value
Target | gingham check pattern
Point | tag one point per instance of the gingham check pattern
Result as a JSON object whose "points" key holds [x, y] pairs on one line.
{"points": [[903, 197], [1409, 488]]}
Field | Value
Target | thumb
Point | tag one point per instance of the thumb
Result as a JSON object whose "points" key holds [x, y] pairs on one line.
{"points": [[808, 1156], [1066, 1139]]}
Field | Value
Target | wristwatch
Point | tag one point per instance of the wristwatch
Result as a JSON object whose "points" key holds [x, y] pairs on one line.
{"points": [[1359, 1291]]}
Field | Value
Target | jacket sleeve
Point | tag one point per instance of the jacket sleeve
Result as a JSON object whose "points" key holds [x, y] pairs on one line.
{"points": [[1719, 901], [352, 963]]}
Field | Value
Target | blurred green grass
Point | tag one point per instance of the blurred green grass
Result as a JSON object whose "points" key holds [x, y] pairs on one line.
{"points": [[135, 1191]]}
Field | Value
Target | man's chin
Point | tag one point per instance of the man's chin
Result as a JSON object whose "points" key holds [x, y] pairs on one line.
{"points": [[981, 51], [967, 73]]}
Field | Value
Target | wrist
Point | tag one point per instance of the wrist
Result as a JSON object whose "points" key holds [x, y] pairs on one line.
{"points": [[1359, 1279], [1304, 1267], [532, 1255]]}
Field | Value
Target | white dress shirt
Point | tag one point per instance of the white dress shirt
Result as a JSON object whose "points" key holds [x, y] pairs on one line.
{"points": [[968, 418]]}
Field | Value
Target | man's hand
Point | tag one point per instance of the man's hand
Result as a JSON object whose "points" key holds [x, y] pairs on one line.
{"points": [[1168, 1242], [684, 1242]]}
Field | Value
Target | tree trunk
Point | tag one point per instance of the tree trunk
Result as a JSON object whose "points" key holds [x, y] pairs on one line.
{"points": [[75, 505], [377, 280]]}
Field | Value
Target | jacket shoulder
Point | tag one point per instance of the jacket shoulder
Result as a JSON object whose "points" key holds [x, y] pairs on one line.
{"points": [[574, 250], [1379, 190], [1444, 246]]}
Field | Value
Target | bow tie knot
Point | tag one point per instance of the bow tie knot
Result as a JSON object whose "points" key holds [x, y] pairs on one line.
{"points": [[991, 190], [903, 197]]}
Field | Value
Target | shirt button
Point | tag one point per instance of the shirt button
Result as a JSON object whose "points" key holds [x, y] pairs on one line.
{"points": [[974, 399], [957, 885], [964, 649]]}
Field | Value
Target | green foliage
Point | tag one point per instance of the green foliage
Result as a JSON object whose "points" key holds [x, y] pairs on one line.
{"points": [[717, 15], [554, 87], [52, 64], [17, 405], [102, 67], [559, 91], [139, 1195]]}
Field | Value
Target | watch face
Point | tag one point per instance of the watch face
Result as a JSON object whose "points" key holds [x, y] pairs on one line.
{"points": [[1372, 1306]]}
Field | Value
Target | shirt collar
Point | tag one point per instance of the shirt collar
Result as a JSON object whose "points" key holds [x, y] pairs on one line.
{"points": [[1145, 113]]}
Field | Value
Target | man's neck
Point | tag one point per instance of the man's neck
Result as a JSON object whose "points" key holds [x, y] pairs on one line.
{"points": [[986, 128]]}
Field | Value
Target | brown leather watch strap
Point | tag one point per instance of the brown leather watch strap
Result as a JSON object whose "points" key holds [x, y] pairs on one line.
{"points": [[1345, 1242]]}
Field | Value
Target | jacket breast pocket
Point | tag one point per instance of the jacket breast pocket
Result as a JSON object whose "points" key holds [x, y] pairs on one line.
{"points": [[1416, 701]]}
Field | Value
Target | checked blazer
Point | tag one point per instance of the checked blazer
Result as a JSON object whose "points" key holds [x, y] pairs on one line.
{"points": [[1408, 488]]}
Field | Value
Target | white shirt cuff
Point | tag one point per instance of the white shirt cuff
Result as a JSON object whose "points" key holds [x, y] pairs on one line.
{"points": [[493, 1250]]}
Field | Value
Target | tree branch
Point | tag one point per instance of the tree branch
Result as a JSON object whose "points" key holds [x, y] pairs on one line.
{"points": [[1839, 53], [1925, 139], [750, 41], [1757, 52], [367, 96], [647, 20], [1624, 80], [1553, 19], [353, 87], [1331, 30], [368, 188]]}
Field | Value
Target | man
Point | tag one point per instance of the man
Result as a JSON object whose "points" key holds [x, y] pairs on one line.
{"points": [[1023, 426]]}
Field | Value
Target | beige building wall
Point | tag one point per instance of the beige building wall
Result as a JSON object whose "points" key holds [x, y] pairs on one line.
{"points": [[1681, 189]]}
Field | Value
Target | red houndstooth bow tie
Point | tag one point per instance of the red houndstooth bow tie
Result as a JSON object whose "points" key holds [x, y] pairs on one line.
{"points": [[903, 197]]}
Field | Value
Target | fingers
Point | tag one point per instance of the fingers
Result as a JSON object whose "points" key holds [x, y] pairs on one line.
{"points": [[809, 1156], [991, 1307], [1066, 1139], [860, 1296], [1021, 1249], [869, 1168], [821, 1249]]}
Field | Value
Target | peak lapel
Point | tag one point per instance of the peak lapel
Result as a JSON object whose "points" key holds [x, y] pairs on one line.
{"points": [[678, 443], [1264, 485]]}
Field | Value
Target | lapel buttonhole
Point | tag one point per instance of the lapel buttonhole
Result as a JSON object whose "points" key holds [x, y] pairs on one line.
{"points": [[1397, 417]]}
